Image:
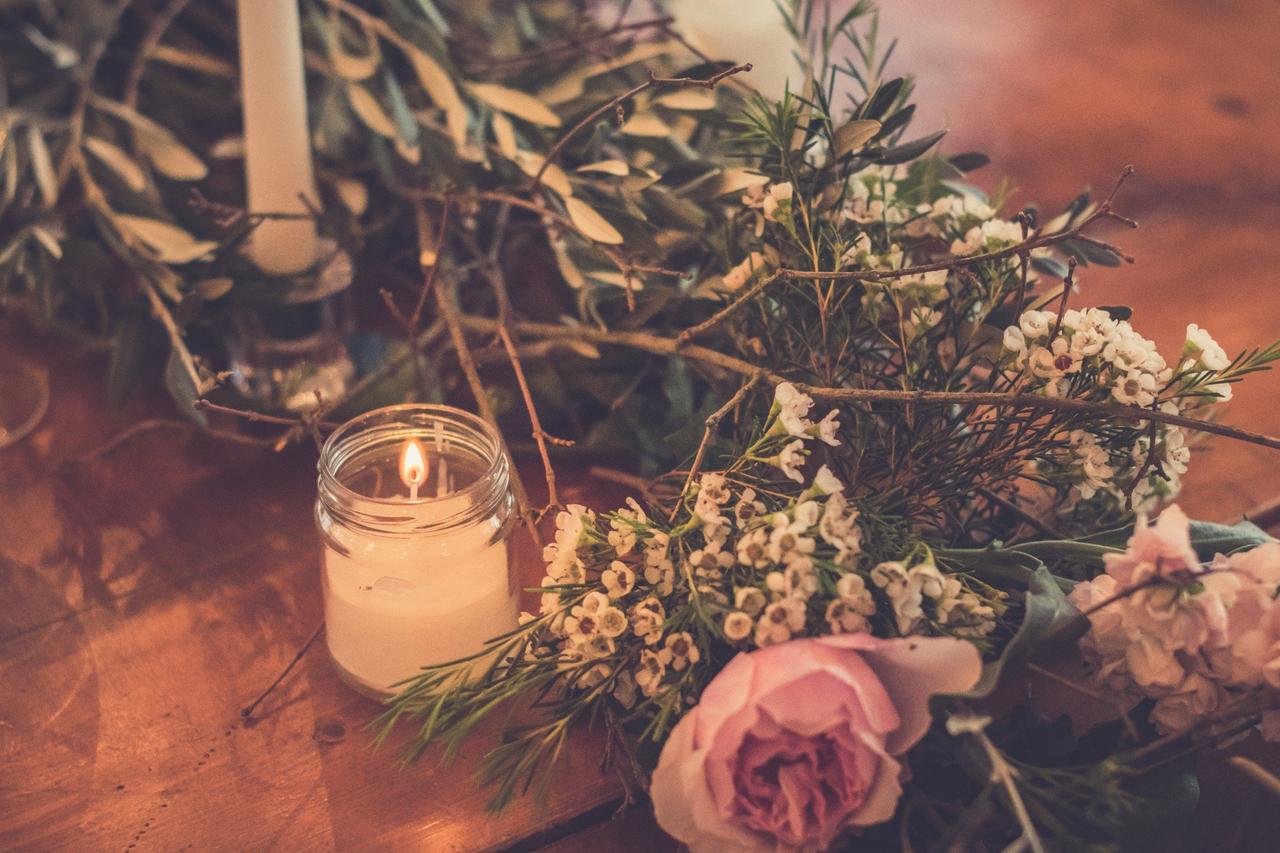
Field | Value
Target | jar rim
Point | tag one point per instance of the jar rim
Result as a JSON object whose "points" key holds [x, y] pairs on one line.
{"points": [[478, 497]]}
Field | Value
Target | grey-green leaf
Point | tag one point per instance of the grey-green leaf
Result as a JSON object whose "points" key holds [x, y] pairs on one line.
{"points": [[854, 135]]}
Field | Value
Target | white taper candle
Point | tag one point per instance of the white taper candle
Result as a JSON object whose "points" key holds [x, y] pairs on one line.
{"points": [[277, 145]]}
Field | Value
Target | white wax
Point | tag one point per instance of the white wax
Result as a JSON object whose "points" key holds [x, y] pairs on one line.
{"points": [[277, 147], [395, 604]]}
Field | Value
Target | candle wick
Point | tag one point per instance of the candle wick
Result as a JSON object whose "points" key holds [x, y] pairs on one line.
{"points": [[413, 492]]}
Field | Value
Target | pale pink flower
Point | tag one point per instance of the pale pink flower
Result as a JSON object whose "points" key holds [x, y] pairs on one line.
{"points": [[791, 744]]}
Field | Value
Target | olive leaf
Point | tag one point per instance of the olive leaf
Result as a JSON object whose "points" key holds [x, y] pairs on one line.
{"points": [[351, 66], [353, 194], [688, 99], [42, 165], [591, 223], [729, 181], [854, 135], [171, 244], [210, 289], [514, 102], [369, 111], [646, 124], [171, 158], [553, 177], [572, 275], [50, 243], [228, 148], [439, 87], [617, 168], [115, 158], [504, 133]]}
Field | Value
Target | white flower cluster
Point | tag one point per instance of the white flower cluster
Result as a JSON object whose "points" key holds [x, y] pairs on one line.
{"points": [[921, 593], [1092, 355], [620, 590], [1190, 636], [873, 197], [789, 417], [781, 551]]}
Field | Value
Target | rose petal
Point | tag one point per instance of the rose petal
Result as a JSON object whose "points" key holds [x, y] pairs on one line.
{"points": [[682, 801], [912, 669]]}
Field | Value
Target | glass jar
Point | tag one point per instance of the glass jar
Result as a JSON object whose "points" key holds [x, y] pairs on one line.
{"points": [[413, 581]]}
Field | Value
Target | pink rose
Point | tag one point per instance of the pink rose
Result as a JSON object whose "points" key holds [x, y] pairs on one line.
{"points": [[792, 743]]}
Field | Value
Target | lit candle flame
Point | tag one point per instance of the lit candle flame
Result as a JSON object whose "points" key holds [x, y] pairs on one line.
{"points": [[413, 466]]}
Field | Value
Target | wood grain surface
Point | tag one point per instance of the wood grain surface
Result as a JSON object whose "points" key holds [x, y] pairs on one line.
{"points": [[151, 591]]}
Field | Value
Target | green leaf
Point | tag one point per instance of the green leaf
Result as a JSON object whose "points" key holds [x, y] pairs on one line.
{"points": [[171, 244], [1210, 539], [182, 390], [516, 103], [42, 166], [1117, 312], [910, 150], [353, 66], [880, 102], [969, 161], [853, 136], [115, 158], [591, 223], [369, 111], [127, 347], [443, 93], [171, 158], [1045, 611]]}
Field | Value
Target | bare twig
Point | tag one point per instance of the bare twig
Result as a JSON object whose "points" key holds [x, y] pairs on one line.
{"points": [[159, 25], [713, 421], [452, 318], [179, 345], [652, 82], [247, 711], [670, 346], [88, 68], [258, 417], [1039, 524], [540, 436], [720, 316], [1147, 464]]}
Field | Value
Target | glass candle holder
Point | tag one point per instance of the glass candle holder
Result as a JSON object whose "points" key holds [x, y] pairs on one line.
{"points": [[416, 566]]}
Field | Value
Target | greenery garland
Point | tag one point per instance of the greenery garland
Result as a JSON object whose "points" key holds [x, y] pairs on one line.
{"points": [[722, 264]]}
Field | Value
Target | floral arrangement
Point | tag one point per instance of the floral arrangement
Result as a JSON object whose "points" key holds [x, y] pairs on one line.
{"points": [[908, 466]]}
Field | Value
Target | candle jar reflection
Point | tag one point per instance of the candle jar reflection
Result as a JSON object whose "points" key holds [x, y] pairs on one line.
{"points": [[408, 581]]}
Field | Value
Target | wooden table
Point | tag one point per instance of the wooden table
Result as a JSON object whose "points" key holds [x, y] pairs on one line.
{"points": [[153, 589]]}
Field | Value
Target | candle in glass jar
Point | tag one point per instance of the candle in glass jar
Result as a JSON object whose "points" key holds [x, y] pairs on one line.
{"points": [[414, 508]]}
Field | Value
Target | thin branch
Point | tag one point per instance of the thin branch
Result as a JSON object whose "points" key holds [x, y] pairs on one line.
{"points": [[720, 316], [540, 436], [258, 417], [1039, 524], [452, 318], [88, 68], [1020, 250], [247, 711], [162, 313], [159, 25], [1102, 211], [671, 346], [713, 421], [651, 83]]}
